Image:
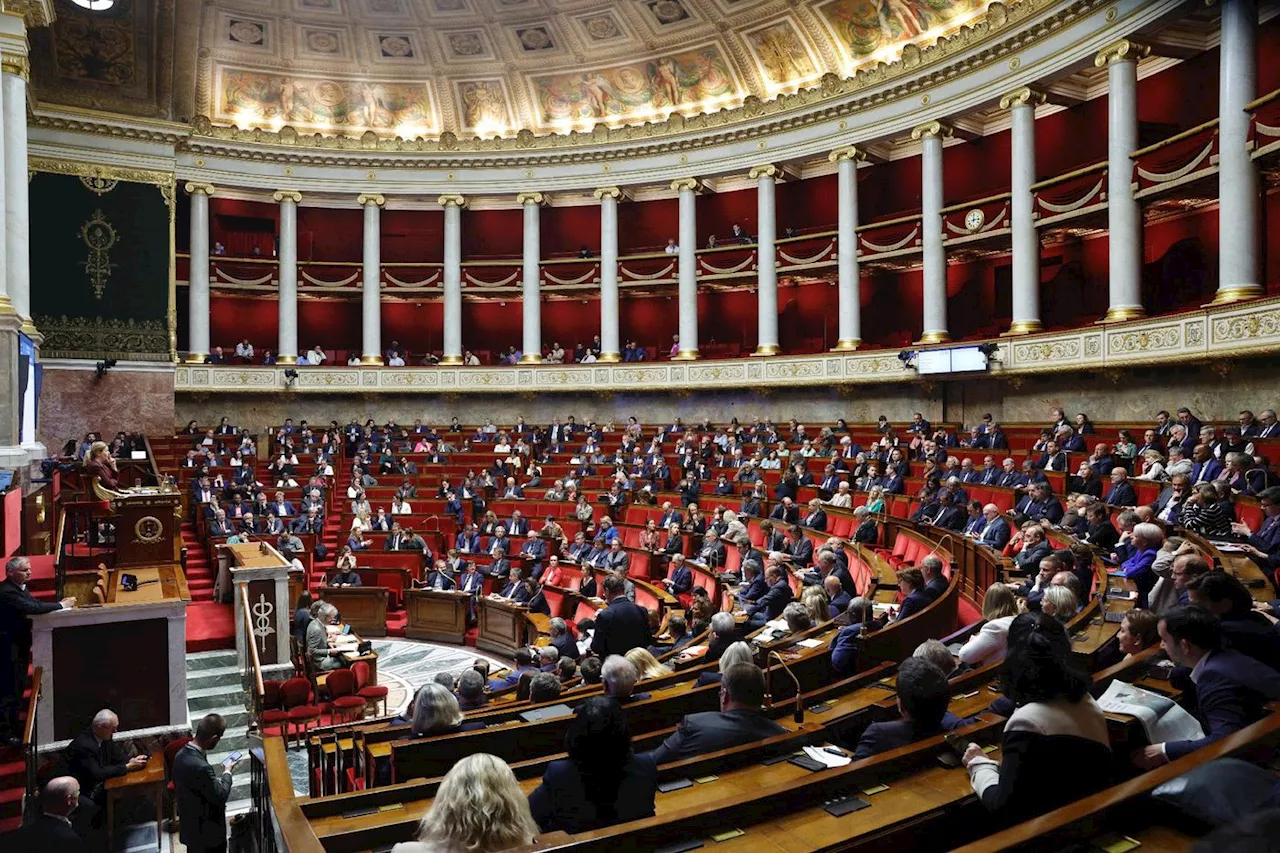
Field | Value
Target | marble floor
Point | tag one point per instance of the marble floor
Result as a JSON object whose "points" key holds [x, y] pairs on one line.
{"points": [[403, 667]]}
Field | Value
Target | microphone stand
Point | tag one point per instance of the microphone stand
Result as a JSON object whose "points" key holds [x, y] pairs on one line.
{"points": [[798, 715]]}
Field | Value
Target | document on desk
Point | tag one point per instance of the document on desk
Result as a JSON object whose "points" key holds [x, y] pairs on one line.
{"points": [[1161, 717], [830, 759], [1227, 547], [810, 643]]}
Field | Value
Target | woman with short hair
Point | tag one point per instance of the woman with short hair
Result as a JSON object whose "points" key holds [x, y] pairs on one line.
{"points": [[435, 711], [478, 808], [1138, 632]]}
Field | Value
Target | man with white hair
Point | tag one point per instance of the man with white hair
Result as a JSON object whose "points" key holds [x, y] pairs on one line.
{"points": [[322, 653], [17, 606], [995, 533], [93, 756], [619, 677], [558, 630]]}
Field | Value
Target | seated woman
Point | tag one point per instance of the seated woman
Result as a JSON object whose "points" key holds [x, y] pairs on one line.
{"points": [[1059, 602], [602, 782], [738, 652], [646, 664], [999, 607], [1206, 513], [1055, 747], [1138, 632], [436, 712], [478, 806], [650, 538]]}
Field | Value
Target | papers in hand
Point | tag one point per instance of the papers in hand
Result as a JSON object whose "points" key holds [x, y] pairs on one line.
{"points": [[827, 758], [1161, 717]]}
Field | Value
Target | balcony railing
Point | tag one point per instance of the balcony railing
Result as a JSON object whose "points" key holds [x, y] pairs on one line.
{"points": [[1180, 159]]}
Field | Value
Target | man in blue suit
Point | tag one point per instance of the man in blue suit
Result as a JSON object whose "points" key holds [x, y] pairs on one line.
{"points": [[1121, 492], [770, 605], [1041, 505], [1231, 688], [1263, 547], [923, 694], [915, 599], [754, 586], [1205, 467], [995, 532], [681, 580], [1009, 475], [515, 590], [534, 552]]}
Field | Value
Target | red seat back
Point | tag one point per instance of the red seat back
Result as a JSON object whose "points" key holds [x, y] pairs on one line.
{"points": [[555, 600], [360, 669], [295, 692], [340, 682]]}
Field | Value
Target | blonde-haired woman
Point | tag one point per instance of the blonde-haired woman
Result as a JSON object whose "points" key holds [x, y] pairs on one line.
{"points": [[1152, 466], [435, 711], [646, 664], [815, 601], [875, 499], [989, 645], [479, 808]]}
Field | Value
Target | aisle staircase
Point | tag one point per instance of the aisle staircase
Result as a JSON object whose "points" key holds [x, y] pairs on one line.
{"points": [[214, 687], [200, 569]]}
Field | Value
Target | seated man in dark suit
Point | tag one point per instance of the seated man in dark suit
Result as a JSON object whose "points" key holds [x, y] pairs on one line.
{"points": [[562, 639], [51, 831], [935, 582], [93, 757], [677, 635], [837, 598], [1232, 689], [923, 694], [915, 599], [738, 721], [619, 677], [1121, 492], [770, 605]]}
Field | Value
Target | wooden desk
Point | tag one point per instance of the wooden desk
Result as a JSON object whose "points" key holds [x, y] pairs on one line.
{"points": [[149, 781], [503, 625], [364, 608], [155, 583], [436, 615]]}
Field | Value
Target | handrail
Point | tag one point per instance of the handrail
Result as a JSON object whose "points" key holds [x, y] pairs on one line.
{"points": [[1177, 137], [1100, 166], [900, 220], [29, 744], [952, 208], [59, 571], [253, 648], [1262, 101], [29, 730]]}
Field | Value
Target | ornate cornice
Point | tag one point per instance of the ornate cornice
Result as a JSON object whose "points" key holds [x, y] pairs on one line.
{"points": [[1025, 96], [109, 125], [1123, 50], [34, 13], [616, 193], [91, 170], [365, 199], [1209, 334], [687, 184], [833, 97], [290, 195]]}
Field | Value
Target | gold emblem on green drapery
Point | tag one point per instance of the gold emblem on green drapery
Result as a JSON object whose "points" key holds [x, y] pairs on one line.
{"points": [[98, 237]]}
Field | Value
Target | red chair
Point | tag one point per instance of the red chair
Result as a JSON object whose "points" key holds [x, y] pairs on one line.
{"points": [[296, 697], [370, 693], [273, 714], [170, 753], [345, 705]]}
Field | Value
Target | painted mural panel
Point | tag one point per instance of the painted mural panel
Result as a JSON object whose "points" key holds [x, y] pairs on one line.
{"points": [[318, 102], [863, 27]]}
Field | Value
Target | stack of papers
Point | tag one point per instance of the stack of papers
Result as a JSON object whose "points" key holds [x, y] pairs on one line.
{"points": [[828, 758], [810, 643]]}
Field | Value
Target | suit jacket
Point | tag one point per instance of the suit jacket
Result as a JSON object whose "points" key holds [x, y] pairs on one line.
{"points": [[201, 794], [936, 587], [561, 801], [913, 604], [93, 765], [621, 627], [46, 834], [439, 580], [517, 592], [839, 604], [17, 605], [774, 601], [952, 518], [567, 645], [1122, 494], [681, 580], [714, 730], [1029, 561], [996, 534], [816, 520], [472, 582], [801, 552], [1203, 472], [754, 590], [882, 737], [1230, 691], [618, 562], [517, 528]]}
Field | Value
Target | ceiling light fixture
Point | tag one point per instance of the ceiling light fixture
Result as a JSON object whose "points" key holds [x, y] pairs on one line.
{"points": [[95, 5]]}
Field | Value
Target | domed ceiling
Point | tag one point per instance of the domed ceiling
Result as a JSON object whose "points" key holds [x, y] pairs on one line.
{"points": [[418, 68]]}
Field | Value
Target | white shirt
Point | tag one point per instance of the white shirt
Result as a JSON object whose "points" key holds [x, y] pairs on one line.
{"points": [[671, 249], [396, 361]]}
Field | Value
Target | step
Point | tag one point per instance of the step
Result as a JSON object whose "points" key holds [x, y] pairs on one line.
{"points": [[234, 715], [213, 677], [210, 660], [209, 698]]}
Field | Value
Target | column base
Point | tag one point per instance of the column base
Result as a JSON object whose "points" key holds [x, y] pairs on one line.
{"points": [[531, 358], [1236, 293], [35, 451], [765, 350], [373, 360], [15, 456], [1025, 327], [935, 337], [1121, 313], [451, 359], [609, 357], [195, 357], [686, 355], [29, 329], [286, 359], [847, 344]]}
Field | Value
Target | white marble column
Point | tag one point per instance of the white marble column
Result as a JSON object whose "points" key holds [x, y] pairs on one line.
{"points": [[688, 241], [930, 136], [610, 350], [17, 218], [531, 275], [371, 279], [848, 286], [452, 205], [1124, 216], [766, 178], [287, 348], [198, 274], [1238, 185], [1022, 104]]}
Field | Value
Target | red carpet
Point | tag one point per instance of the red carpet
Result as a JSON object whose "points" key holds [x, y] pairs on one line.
{"points": [[210, 626]]}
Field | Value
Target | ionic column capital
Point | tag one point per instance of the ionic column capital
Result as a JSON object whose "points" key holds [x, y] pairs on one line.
{"points": [[680, 184], [765, 170], [930, 129], [15, 62], [452, 201], [1025, 96], [366, 199], [849, 152], [1123, 50], [197, 187], [615, 193], [287, 195], [533, 198]]}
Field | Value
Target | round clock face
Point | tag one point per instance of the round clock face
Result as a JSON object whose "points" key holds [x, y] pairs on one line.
{"points": [[974, 219]]}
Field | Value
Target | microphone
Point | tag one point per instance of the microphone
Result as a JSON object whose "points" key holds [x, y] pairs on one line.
{"points": [[798, 716]]}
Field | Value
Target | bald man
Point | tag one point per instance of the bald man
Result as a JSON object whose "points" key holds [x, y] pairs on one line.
{"points": [[51, 832]]}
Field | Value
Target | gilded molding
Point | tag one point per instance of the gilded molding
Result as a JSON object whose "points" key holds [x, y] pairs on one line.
{"points": [[617, 193], [16, 63], [849, 152], [1123, 50], [193, 187], [829, 98], [365, 199], [451, 201], [533, 198], [1025, 96], [34, 13], [680, 184], [931, 128], [92, 170], [767, 170], [281, 196]]}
